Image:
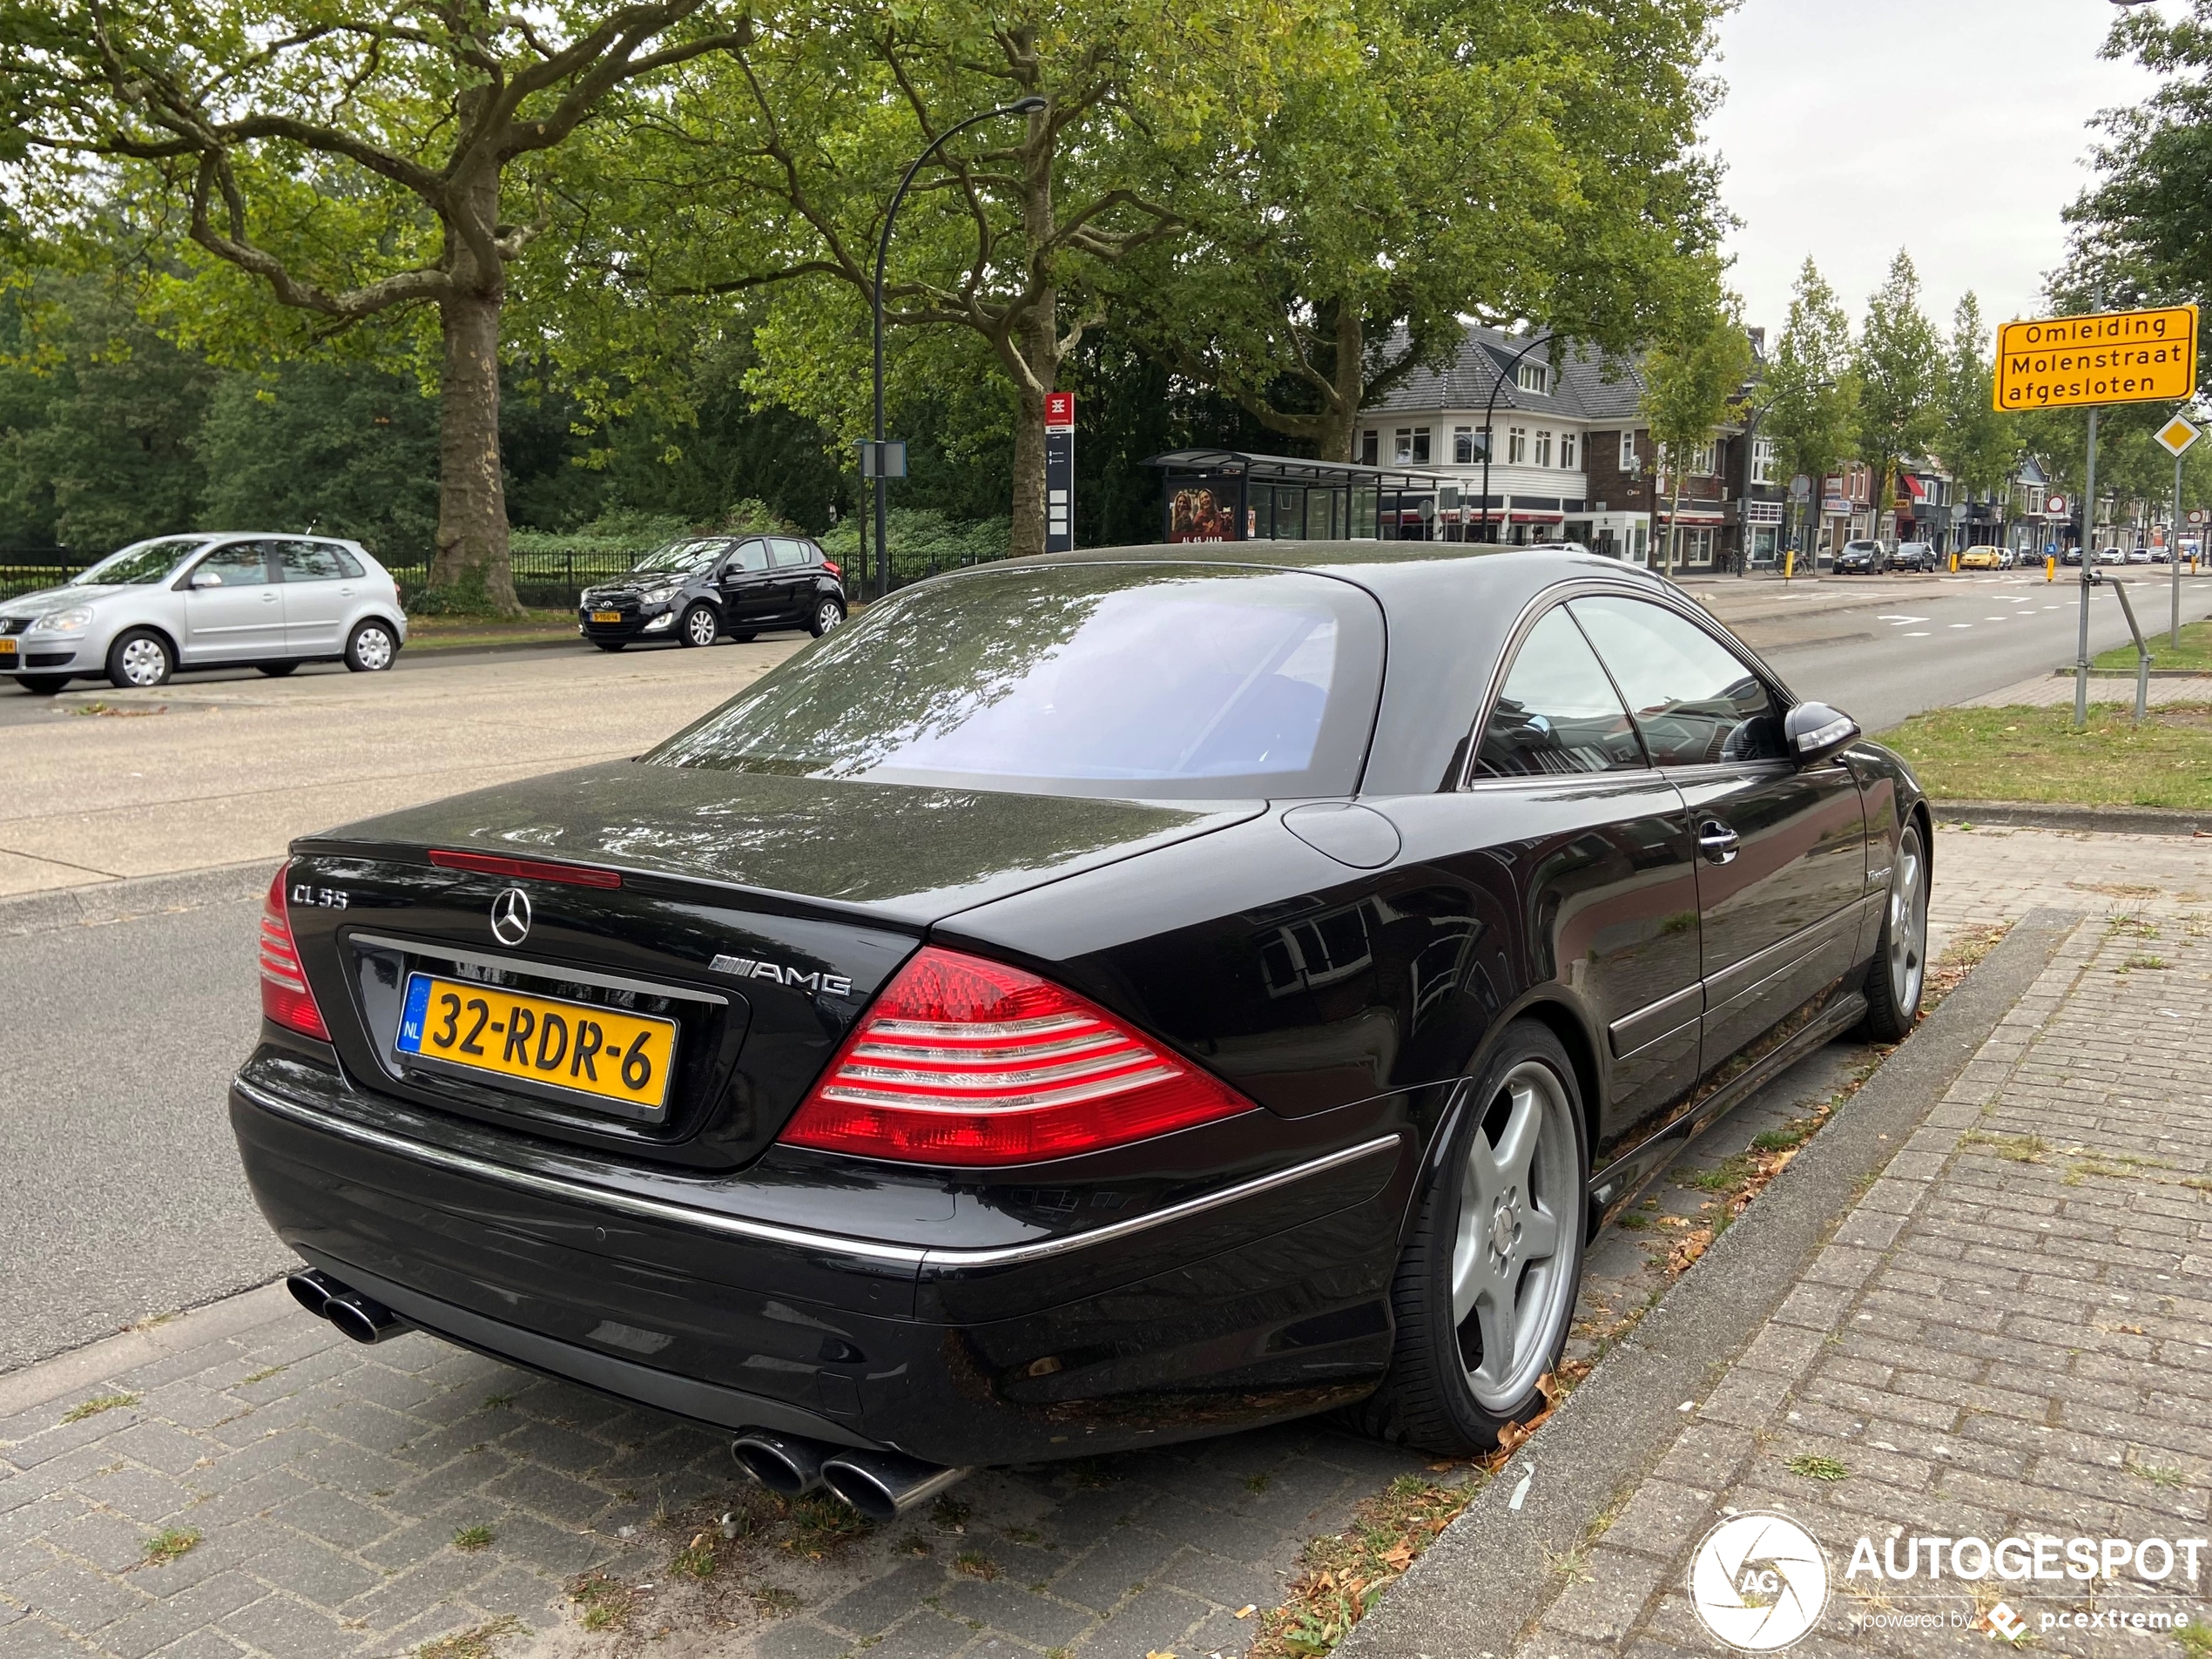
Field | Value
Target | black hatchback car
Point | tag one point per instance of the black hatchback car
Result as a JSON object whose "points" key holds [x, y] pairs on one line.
{"points": [[696, 589], [1091, 1001]]}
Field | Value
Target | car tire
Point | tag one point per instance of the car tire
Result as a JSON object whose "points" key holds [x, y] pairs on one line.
{"points": [[610, 644], [42, 684], [1898, 973], [139, 660], [699, 626], [1478, 1263], [276, 671], [370, 648], [829, 614]]}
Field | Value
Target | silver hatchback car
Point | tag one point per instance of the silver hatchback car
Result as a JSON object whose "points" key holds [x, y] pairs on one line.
{"points": [[206, 601]]}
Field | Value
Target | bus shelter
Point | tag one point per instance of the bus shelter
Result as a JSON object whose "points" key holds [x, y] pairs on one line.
{"points": [[1228, 495]]}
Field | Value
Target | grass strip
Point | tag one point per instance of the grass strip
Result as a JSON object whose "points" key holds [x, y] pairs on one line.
{"points": [[2018, 753]]}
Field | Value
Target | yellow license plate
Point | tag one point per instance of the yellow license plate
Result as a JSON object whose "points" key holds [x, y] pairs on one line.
{"points": [[7, 651], [606, 616], [604, 1053]]}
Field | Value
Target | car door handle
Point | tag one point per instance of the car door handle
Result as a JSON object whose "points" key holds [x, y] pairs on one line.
{"points": [[269, 599], [1717, 842]]}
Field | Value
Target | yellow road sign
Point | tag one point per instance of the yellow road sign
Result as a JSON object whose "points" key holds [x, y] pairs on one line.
{"points": [[2176, 436], [2114, 357]]}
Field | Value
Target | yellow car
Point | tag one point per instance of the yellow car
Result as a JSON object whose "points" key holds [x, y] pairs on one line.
{"points": [[1981, 558]]}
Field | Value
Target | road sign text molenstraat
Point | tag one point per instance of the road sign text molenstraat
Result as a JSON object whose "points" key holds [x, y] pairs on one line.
{"points": [[2114, 357]]}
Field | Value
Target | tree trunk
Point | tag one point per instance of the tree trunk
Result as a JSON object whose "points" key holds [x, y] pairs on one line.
{"points": [[1029, 468], [472, 493], [1340, 419]]}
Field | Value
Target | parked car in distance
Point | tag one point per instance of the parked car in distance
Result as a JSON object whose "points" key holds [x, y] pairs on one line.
{"points": [[267, 601], [2070, 555], [2160, 554], [1089, 1003], [2111, 556], [2138, 555], [697, 588], [1862, 558], [1916, 556], [1981, 558]]}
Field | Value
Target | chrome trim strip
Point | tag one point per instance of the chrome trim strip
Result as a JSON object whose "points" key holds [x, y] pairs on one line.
{"points": [[772, 1233], [1621, 1029], [1008, 1255], [537, 970]]}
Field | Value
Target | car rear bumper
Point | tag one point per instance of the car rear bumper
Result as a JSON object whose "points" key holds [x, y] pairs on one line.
{"points": [[1269, 1302]]}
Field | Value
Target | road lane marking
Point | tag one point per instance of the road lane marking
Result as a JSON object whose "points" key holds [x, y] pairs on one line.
{"points": [[1962, 625], [1917, 633], [1897, 620]]}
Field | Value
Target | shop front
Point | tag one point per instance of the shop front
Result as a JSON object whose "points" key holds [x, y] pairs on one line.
{"points": [[1231, 495]]}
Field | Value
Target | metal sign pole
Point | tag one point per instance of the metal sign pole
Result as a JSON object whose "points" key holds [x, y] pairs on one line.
{"points": [[2088, 573], [2174, 559]]}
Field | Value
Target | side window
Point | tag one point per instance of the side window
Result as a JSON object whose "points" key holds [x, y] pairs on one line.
{"points": [[789, 552], [310, 562], [751, 555], [241, 565], [1557, 713], [1694, 701], [348, 566]]}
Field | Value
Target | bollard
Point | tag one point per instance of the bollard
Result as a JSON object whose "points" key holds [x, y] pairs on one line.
{"points": [[2050, 569], [1789, 566]]}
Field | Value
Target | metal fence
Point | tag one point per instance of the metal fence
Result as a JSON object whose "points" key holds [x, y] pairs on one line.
{"points": [[548, 578], [26, 571]]}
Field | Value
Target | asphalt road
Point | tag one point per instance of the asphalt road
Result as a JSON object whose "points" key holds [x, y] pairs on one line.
{"points": [[124, 1195], [1945, 639]]}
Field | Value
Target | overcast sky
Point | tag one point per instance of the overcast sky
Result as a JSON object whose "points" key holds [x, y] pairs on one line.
{"points": [[1955, 128]]}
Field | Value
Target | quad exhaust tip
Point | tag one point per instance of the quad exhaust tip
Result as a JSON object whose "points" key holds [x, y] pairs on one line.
{"points": [[363, 1317], [880, 1485]]}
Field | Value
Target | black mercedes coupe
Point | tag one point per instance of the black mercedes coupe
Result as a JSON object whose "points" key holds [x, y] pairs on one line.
{"points": [[1084, 1004]]}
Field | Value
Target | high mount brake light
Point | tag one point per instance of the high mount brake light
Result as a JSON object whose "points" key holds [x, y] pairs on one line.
{"points": [[286, 997], [963, 1061], [575, 876]]}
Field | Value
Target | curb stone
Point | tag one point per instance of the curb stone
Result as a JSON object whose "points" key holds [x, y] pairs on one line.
{"points": [[118, 899], [1490, 1576], [2058, 815]]}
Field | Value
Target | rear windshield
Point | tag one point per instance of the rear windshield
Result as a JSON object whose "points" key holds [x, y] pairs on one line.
{"points": [[1133, 680]]}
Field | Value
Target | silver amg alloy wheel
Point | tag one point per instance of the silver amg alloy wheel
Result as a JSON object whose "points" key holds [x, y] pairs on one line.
{"points": [[371, 649], [1513, 1257], [1908, 928]]}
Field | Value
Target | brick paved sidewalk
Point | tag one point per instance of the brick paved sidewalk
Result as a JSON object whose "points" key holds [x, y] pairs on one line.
{"points": [[327, 1485], [2011, 1335]]}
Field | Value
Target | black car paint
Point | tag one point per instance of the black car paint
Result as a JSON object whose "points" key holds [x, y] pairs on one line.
{"points": [[699, 1267], [743, 602]]}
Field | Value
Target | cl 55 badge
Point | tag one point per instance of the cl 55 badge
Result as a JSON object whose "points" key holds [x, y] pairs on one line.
{"points": [[746, 967], [319, 898]]}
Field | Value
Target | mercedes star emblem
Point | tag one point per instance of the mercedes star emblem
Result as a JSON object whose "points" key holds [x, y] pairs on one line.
{"points": [[510, 916]]}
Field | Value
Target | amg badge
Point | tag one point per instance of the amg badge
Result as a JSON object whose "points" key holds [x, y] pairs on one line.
{"points": [[745, 968]]}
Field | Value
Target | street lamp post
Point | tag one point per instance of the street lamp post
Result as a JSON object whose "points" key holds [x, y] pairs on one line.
{"points": [[1020, 106], [1489, 425]]}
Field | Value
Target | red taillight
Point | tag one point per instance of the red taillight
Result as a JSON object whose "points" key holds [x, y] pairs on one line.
{"points": [[575, 876], [968, 1062], [286, 997], [832, 568]]}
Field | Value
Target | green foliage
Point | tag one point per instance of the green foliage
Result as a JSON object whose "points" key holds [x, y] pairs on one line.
{"points": [[343, 449], [98, 418], [1689, 381], [1815, 395], [1900, 377], [923, 541], [1978, 442]]}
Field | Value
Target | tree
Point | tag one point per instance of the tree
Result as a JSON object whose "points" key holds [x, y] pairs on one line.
{"points": [[1508, 161], [343, 160], [1976, 441], [99, 420], [774, 170], [1814, 411], [2143, 231], [1689, 383], [1900, 371]]}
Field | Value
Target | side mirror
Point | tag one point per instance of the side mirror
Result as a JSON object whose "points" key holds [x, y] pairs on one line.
{"points": [[207, 579], [1814, 732]]}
